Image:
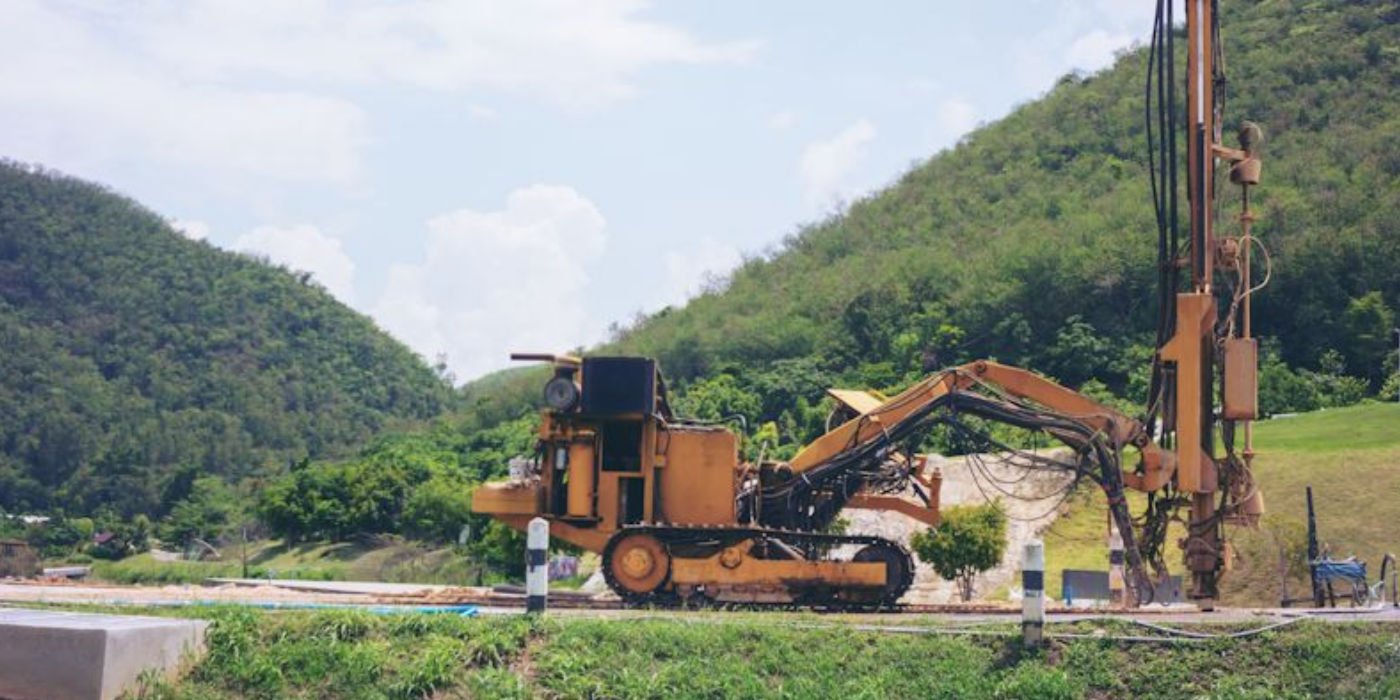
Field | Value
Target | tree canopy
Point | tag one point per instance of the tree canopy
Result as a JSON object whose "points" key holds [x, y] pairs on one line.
{"points": [[131, 352], [969, 540]]}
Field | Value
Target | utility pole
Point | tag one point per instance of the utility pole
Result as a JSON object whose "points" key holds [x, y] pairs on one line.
{"points": [[1314, 552]]}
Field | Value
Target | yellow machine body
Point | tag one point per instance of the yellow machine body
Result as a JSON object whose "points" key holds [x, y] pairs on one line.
{"points": [[675, 512]]}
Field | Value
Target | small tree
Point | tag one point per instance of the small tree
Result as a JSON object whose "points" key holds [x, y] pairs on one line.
{"points": [[205, 513], [437, 509], [968, 541]]}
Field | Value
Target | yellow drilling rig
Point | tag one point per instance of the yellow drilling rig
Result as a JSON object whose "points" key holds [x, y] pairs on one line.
{"points": [[678, 517]]}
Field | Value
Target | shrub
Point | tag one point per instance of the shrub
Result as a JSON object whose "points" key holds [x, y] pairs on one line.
{"points": [[968, 541], [437, 509]]}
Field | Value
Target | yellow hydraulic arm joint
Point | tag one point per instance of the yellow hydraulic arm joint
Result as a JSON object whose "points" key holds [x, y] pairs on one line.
{"points": [[1157, 465]]}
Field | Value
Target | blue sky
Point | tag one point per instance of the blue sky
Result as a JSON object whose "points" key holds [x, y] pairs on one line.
{"points": [[481, 177]]}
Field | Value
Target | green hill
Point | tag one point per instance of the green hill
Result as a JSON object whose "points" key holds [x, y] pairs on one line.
{"points": [[131, 353], [1033, 240]]}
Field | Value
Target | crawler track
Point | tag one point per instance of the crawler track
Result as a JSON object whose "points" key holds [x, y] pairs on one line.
{"points": [[701, 541]]}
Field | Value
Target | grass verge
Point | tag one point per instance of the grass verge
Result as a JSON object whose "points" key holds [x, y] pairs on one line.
{"points": [[350, 654]]}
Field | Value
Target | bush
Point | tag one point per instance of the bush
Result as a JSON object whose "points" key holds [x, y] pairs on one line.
{"points": [[1281, 390], [1390, 391], [968, 541], [437, 510], [210, 509], [1334, 388]]}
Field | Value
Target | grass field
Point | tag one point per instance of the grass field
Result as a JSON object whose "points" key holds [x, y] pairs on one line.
{"points": [[350, 654], [1350, 456], [266, 559]]}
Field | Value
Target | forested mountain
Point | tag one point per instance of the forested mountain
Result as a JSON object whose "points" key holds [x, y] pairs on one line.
{"points": [[1033, 241], [129, 354]]}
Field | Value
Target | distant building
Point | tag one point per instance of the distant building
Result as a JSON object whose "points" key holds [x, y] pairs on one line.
{"points": [[17, 560], [29, 519]]}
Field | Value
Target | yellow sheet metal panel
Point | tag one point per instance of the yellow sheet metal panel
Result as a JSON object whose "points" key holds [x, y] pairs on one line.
{"points": [[872, 424], [1195, 466], [582, 477], [1241, 379], [861, 402], [508, 498], [698, 481]]}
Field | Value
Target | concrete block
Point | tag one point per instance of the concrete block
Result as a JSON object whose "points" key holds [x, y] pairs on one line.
{"points": [[51, 655]]}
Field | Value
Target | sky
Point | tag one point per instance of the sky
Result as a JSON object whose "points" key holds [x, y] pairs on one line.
{"points": [[480, 176]]}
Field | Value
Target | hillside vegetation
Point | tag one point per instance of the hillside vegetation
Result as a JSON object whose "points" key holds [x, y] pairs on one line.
{"points": [[136, 360], [1033, 241]]}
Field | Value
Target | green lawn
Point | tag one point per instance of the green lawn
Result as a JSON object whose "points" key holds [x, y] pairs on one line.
{"points": [[319, 561], [350, 654], [1363, 427], [1350, 456]]}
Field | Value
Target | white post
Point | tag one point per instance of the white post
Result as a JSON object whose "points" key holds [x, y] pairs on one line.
{"points": [[1115, 564], [1033, 593], [536, 565]]}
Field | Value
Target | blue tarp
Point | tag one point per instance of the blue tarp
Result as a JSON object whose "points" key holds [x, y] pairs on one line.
{"points": [[462, 610], [1348, 569]]}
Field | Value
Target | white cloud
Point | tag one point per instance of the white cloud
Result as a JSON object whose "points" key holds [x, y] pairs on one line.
{"points": [[826, 165], [563, 51], [782, 121], [689, 271], [1095, 50], [255, 91], [1080, 35], [498, 281], [956, 117], [71, 96], [193, 230], [305, 248]]}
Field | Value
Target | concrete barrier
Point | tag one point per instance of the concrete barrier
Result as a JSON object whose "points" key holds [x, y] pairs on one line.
{"points": [[52, 655]]}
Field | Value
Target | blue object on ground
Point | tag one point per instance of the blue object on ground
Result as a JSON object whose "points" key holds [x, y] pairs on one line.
{"points": [[1348, 569]]}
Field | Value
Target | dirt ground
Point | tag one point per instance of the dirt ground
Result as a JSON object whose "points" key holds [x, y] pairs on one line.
{"points": [[102, 594]]}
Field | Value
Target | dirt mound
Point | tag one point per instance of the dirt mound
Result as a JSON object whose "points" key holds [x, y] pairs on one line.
{"points": [[1032, 509]]}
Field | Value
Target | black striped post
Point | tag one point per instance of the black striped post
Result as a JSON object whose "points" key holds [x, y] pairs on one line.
{"points": [[536, 565], [1033, 593]]}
